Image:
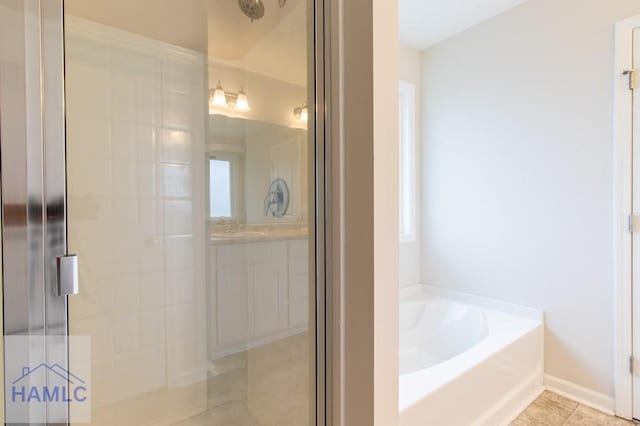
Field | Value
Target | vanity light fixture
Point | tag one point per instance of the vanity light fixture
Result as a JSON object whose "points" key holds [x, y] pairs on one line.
{"points": [[301, 113], [242, 103], [218, 99]]}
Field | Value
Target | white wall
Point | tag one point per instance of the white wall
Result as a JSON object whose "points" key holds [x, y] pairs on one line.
{"points": [[518, 172], [409, 69], [386, 220], [275, 152], [364, 223], [271, 100]]}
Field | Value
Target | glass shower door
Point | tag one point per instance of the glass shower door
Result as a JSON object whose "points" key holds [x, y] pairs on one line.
{"points": [[190, 176]]}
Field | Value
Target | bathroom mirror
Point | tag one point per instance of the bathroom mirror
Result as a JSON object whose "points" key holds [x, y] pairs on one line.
{"points": [[245, 157]]}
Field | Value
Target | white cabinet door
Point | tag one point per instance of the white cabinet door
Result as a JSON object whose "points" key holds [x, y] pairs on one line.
{"points": [[266, 282], [298, 301], [268, 287], [298, 278], [261, 298], [232, 305]]}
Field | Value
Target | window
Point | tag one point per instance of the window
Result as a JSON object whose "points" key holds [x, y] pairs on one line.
{"points": [[219, 188], [407, 163]]}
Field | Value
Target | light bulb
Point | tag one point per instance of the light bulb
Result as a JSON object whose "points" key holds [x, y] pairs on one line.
{"points": [[242, 103], [301, 113], [219, 98]]}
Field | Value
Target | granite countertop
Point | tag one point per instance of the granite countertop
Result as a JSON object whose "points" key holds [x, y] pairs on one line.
{"points": [[239, 234]]}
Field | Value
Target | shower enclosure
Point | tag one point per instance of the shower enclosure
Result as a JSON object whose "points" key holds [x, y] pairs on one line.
{"points": [[162, 211]]}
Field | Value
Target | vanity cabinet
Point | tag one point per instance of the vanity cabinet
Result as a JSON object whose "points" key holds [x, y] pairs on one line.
{"points": [[258, 293], [298, 275]]}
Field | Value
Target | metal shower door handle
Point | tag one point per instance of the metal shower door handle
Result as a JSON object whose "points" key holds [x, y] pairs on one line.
{"points": [[67, 275]]}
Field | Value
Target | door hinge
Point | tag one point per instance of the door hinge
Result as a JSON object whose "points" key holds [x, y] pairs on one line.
{"points": [[632, 223], [631, 75], [631, 365]]}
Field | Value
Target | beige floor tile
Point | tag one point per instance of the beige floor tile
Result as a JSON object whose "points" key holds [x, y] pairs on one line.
{"points": [[203, 419], [550, 409], [547, 413], [525, 420], [554, 398], [232, 414], [265, 386], [585, 416]]}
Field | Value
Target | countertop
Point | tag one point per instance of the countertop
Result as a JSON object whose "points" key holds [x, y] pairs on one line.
{"points": [[242, 234]]}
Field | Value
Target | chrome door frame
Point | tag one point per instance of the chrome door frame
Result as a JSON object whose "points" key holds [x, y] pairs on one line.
{"points": [[316, 88], [33, 198], [324, 49], [34, 222]]}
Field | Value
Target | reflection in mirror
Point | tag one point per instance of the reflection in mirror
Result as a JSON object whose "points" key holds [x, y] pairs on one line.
{"points": [[257, 155]]}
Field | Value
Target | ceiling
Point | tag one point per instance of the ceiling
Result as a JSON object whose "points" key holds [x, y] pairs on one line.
{"points": [[274, 46], [424, 23]]}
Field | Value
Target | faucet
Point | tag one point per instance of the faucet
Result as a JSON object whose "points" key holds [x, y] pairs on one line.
{"points": [[273, 198]]}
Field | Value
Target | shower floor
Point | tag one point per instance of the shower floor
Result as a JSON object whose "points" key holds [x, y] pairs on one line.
{"points": [[267, 385]]}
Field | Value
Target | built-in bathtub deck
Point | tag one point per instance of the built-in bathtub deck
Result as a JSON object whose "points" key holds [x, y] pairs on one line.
{"points": [[490, 383]]}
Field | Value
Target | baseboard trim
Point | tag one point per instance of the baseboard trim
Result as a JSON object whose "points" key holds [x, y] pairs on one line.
{"points": [[584, 396]]}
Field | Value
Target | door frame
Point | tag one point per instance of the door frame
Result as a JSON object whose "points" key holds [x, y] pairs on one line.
{"points": [[51, 199], [622, 211], [34, 203]]}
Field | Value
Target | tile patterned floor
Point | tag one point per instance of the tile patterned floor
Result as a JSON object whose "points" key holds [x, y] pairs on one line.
{"points": [[551, 409], [264, 386]]}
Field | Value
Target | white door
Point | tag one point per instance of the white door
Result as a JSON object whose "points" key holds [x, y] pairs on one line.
{"points": [[636, 214]]}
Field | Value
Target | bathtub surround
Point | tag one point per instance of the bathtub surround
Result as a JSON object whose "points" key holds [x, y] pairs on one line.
{"points": [[451, 347], [422, 291], [517, 178]]}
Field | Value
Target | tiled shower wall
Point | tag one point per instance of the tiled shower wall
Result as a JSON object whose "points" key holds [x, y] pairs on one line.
{"points": [[135, 151]]}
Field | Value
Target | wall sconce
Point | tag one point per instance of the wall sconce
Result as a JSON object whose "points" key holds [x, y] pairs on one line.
{"points": [[218, 98], [301, 113]]}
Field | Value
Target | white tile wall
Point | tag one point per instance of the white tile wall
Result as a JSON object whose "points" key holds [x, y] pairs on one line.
{"points": [[135, 125]]}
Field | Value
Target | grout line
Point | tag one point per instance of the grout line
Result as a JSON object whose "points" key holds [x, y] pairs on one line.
{"points": [[571, 415]]}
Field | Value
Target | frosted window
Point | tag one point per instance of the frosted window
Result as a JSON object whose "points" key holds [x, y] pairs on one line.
{"points": [[219, 188]]}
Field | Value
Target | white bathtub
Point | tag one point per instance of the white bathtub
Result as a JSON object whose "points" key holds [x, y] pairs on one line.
{"points": [[466, 364]]}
